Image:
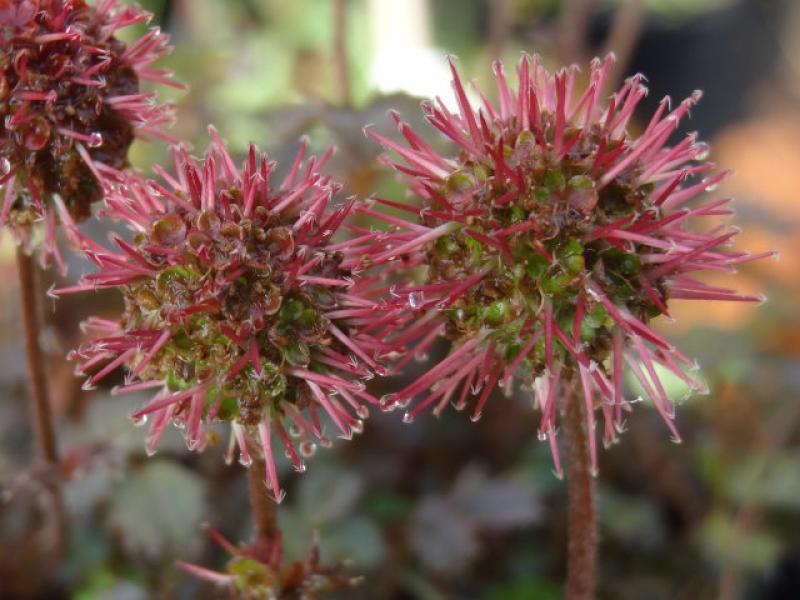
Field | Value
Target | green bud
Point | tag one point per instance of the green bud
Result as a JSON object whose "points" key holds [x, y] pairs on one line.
{"points": [[445, 246], [556, 284], [596, 317], [171, 275], [474, 248], [572, 256], [182, 340], [458, 182], [297, 354], [481, 174], [168, 230], [554, 179], [581, 182], [526, 138], [624, 263], [536, 266], [517, 214], [292, 310], [175, 383], [542, 194], [495, 313], [228, 408]]}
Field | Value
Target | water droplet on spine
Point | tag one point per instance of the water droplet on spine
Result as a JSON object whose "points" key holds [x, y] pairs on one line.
{"points": [[308, 449], [245, 460], [5, 166], [95, 140], [475, 417], [702, 151], [408, 417], [362, 411], [416, 299], [139, 420]]}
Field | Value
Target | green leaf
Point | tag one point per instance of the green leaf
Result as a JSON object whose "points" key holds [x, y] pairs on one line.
{"points": [[158, 510]]}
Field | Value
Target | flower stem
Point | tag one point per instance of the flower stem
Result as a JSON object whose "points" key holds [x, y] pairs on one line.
{"points": [[40, 409], [41, 413], [265, 513], [582, 527]]}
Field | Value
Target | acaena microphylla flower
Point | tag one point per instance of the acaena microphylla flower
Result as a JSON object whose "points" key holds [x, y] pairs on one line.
{"points": [[70, 106], [238, 306], [258, 572], [551, 238]]}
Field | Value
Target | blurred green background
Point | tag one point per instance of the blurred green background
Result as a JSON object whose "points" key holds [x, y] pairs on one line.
{"points": [[446, 508]]}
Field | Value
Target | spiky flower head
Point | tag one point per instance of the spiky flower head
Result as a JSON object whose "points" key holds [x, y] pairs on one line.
{"points": [[237, 305], [70, 105], [551, 238], [258, 572]]}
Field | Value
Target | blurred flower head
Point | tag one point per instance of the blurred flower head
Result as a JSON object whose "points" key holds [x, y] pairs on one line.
{"points": [[257, 572], [238, 306], [550, 239], [70, 106]]}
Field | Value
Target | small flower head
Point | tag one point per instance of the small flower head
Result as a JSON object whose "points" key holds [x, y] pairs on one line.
{"points": [[258, 572], [70, 105], [552, 237], [238, 306]]}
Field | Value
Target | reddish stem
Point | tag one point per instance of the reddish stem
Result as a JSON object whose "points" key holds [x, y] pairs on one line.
{"points": [[582, 527], [41, 413], [265, 514], [40, 409]]}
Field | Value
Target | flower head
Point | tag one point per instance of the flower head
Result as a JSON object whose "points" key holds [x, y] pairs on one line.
{"points": [[70, 106], [258, 572], [237, 304], [551, 238]]}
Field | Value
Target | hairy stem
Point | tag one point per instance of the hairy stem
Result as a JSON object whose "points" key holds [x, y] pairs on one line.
{"points": [[265, 511], [40, 409], [41, 413], [582, 528]]}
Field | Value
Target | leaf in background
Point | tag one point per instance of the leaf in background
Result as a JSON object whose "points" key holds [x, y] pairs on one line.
{"points": [[357, 539], [328, 493], [496, 504], [767, 481], [158, 510], [525, 589], [631, 520], [444, 540], [723, 544], [108, 419]]}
